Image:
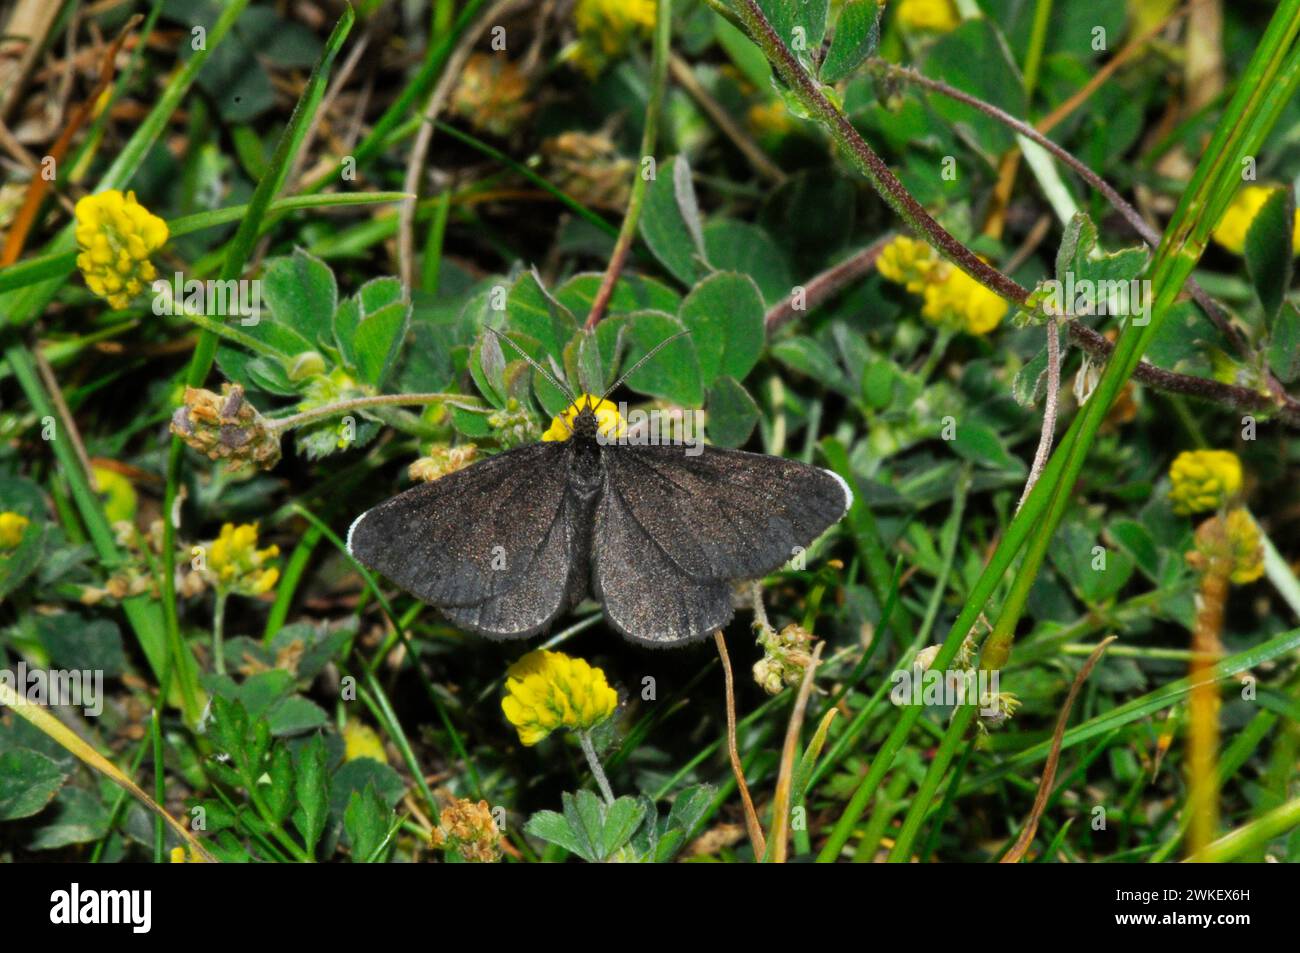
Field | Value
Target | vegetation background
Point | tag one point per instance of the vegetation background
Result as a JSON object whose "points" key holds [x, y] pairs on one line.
{"points": [[853, 208]]}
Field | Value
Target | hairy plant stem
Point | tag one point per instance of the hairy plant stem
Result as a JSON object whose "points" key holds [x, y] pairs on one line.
{"points": [[281, 424], [865, 159], [597, 771], [219, 632]]}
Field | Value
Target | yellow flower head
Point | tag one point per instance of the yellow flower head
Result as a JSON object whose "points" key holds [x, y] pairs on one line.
{"points": [[235, 564], [12, 527], [119, 495], [609, 422], [1232, 542], [954, 299], [935, 16], [361, 741], [1247, 550], [549, 690], [907, 262], [470, 830], [1232, 228], [1203, 480], [606, 28], [116, 235]]}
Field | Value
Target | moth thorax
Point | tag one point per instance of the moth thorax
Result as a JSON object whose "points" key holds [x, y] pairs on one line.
{"points": [[585, 424]]}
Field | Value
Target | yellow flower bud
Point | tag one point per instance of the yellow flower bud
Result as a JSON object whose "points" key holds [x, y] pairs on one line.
{"points": [[908, 262], [12, 527], [1247, 548], [116, 235], [550, 690], [234, 563], [934, 16], [1203, 480], [606, 28], [954, 299]]}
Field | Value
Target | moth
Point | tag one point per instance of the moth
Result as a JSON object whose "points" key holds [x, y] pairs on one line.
{"points": [[656, 533]]}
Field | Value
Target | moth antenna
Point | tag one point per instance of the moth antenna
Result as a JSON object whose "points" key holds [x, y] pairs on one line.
{"points": [[537, 367], [540, 370], [649, 354]]}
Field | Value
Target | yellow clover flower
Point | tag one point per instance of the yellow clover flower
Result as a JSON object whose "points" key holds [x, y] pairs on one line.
{"points": [[550, 690], [935, 16], [120, 499], [907, 262], [1232, 228], [1247, 549], [955, 299], [1203, 480], [606, 28], [116, 235], [235, 564], [361, 741], [609, 421], [12, 527]]}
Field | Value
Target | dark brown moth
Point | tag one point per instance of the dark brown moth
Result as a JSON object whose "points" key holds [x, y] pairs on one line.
{"points": [[655, 533]]}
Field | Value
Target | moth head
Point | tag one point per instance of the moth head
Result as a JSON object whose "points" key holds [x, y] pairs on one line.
{"points": [[587, 417]]}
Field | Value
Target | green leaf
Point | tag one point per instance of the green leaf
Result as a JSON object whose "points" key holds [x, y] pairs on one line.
{"points": [[279, 793], [77, 642], [295, 715], [1029, 379], [724, 313], [674, 373], [975, 59], [981, 445], [554, 829], [690, 807], [28, 781], [801, 25], [589, 366], [78, 817], [531, 310], [670, 222], [631, 293], [857, 31], [1284, 344], [1095, 572], [366, 821], [808, 357], [355, 776], [1268, 251], [732, 413], [311, 790], [300, 292], [384, 316], [746, 248], [586, 818], [1137, 541], [487, 366], [622, 818], [878, 381]]}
